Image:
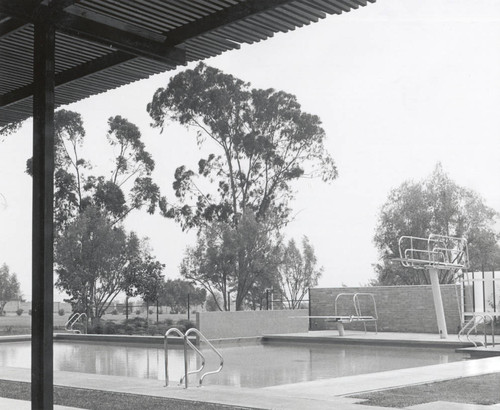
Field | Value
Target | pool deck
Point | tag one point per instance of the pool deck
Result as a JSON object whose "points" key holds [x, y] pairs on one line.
{"points": [[320, 394]]}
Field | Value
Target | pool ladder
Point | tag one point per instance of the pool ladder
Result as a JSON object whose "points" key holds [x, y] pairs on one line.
{"points": [[72, 321], [188, 343], [472, 325]]}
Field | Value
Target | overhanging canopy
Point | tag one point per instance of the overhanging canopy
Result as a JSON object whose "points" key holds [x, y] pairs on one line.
{"points": [[103, 44]]}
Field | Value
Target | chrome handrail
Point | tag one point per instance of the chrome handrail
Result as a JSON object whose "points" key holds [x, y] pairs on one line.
{"points": [[200, 335], [473, 323], [357, 307], [179, 333], [188, 343], [72, 320]]}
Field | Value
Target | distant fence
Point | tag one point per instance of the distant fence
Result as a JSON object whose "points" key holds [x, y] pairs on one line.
{"points": [[13, 305]]}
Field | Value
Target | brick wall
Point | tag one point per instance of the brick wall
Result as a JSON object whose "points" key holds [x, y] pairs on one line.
{"points": [[400, 308], [250, 323]]}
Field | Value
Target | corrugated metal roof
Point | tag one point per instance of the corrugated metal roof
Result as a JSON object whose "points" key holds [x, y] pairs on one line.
{"points": [[104, 44]]}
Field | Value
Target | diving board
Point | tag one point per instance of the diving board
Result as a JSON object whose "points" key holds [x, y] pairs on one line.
{"points": [[357, 317]]}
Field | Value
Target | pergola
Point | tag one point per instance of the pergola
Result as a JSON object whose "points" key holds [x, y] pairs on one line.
{"points": [[55, 52]]}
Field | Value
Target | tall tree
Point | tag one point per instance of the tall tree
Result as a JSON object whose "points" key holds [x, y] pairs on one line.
{"points": [[97, 260], [229, 259], [129, 185], [435, 205], [9, 286], [298, 272], [87, 206], [262, 142]]}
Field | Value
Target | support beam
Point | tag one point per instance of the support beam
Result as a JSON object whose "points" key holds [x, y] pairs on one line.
{"points": [[438, 303], [64, 77], [105, 33], [42, 233], [229, 15]]}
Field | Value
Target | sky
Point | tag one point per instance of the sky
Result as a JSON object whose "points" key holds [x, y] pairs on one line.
{"points": [[399, 87]]}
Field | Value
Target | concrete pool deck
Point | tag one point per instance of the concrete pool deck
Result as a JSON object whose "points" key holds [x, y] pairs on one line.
{"points": [[320, 394]]}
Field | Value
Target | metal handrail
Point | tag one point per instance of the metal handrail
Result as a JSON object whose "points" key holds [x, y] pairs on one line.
{"points": [[72, 320], [474, 322], [201, 336], [357, 308], [179, 333], [187, 343], [337, 298]]}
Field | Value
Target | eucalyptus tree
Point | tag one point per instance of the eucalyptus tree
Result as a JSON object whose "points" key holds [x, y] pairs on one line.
{"points": [[434, 205], [9, 286], [257, 143], [262, 142], [228, 259], [127, 186], [95, 258], [298, 272]]}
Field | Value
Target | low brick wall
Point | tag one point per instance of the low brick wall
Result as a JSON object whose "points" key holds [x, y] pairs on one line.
{"points": [[222, 325], [400, 308]]}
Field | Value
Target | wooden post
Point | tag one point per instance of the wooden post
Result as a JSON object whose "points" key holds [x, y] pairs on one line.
{"points": [[43, 229]]}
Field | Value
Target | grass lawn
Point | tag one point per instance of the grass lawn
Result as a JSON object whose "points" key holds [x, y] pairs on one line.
{"points": [[475, 390], [101, 400]]}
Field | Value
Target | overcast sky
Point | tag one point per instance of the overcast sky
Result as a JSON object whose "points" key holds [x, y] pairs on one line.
{"points": [[399, 86]]}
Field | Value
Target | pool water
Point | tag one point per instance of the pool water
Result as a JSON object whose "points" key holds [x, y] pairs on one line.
{"points": [[244, 366]]}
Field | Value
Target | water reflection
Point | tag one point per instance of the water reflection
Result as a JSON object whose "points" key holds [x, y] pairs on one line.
{"points": [[248, 366]]}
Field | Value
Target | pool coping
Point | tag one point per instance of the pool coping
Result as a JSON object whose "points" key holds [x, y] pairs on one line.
{"points": [[320, 394]]}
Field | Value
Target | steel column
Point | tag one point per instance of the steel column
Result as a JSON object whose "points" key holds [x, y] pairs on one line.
{"points": [[42, 233]]}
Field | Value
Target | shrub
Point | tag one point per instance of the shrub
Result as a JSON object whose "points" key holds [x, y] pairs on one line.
{"points": [[60, 312], [97, 329], [186, 324], [114, 312], [138, 312], [150, 311], [19, 312], [129, 330], [152, 330], [110, 328]]}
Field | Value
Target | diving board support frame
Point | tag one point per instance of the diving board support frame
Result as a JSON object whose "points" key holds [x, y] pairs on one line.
{"points": [[432, 254], [438, 303]]}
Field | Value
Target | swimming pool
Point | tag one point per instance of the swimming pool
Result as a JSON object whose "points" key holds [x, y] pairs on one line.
{"points": [[252, 366]]}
